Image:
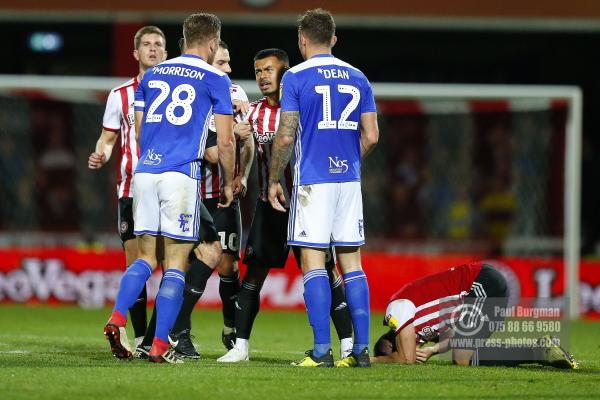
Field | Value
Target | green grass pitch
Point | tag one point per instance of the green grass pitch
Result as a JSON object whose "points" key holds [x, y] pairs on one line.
{"points": [[60, 353]]}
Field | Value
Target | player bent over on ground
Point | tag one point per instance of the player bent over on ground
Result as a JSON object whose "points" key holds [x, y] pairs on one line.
{"points": [[149, 49], [173, 106], [266, 246], [455, 308], [328, 117]]}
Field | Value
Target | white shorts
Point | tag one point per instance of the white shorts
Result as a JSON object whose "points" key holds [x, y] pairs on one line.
{"points": [[326, 213], [166, 204]]}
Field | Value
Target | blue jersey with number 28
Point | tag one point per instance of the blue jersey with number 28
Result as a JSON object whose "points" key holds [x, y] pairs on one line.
{"points": [[178, 98], [330, 96]]}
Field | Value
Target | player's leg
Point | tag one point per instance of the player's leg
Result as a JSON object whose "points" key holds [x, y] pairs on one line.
{"points": [[170, 296], [229, 226], [339, 312], [132, 282], [203, 260], [146, 217], [310, 226], [348, 236], [340, 315], [179, 222], [138, 310], [229, 286], [248, 305], [265, 248]]}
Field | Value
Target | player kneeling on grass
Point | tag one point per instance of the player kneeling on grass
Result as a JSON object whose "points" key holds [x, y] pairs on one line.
{"points": [[456, 309]]}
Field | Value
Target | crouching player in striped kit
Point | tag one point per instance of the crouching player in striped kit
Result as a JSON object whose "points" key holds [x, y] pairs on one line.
{"points": [[173, 104], [458, 311], [328, 117]]}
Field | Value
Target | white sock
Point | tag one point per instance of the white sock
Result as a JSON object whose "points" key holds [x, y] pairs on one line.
{"points": [[138, 341], [346, 344], [241, 344]]}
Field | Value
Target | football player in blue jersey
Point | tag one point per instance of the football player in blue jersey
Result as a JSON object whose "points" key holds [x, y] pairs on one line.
{"points": [[329, 121], [174, 103]]}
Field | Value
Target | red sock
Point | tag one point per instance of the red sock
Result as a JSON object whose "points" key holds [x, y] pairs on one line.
{"points": [[159, 346], [116, 318]]}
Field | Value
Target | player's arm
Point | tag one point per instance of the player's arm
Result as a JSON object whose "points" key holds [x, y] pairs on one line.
{"points": [[281, 153], [424, 353], [226, 153], [139, 117], [103, 150], [246, 158], [212, 155], [211, 152], [406, 348], [369, 133]]}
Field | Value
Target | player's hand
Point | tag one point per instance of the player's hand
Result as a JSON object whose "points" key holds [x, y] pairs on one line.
{"points": [[226, 197], [243, 130], [239, 186], [276, 197], [241, 107], [424, 353], [96, 160]]}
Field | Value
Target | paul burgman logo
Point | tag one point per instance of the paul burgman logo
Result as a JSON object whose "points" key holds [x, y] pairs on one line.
{"points": [[153, 158], [337, 165]]}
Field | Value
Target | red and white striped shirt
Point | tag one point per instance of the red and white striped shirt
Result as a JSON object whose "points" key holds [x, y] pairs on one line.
{"points": [[119, 117], [211, 183], [264, 120], [429, 303]]}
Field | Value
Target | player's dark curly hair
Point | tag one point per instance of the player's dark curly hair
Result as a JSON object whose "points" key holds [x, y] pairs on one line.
{"points": [[280, 54], [317, 26], [386, 344]]}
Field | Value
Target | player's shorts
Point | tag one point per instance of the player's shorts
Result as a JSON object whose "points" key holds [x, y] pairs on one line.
{"points": [[326, 214], [208, 231], [167, 204], [267, 245], [228, 222], [125, 219], [478, 315]]}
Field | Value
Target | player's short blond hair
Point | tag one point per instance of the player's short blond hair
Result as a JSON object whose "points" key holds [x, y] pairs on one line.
{"points": [[145, 30], [200, 28]]}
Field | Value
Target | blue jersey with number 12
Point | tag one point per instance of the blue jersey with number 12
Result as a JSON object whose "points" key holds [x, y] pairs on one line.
{"points": [[330, 96], [178, 98]]}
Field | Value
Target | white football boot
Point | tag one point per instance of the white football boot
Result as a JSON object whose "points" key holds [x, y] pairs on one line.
{"points": [[238, 353]]}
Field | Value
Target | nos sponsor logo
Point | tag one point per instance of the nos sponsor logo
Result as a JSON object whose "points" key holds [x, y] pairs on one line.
{"points": [[337, 165], [153, 158]]}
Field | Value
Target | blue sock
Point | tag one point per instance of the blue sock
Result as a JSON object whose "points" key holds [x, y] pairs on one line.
{"points": [[317, 297], [168, 302], [357, 296], [131, 285]]}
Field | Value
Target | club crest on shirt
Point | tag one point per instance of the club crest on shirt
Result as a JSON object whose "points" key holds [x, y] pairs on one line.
{"points": [[131, 119]]}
